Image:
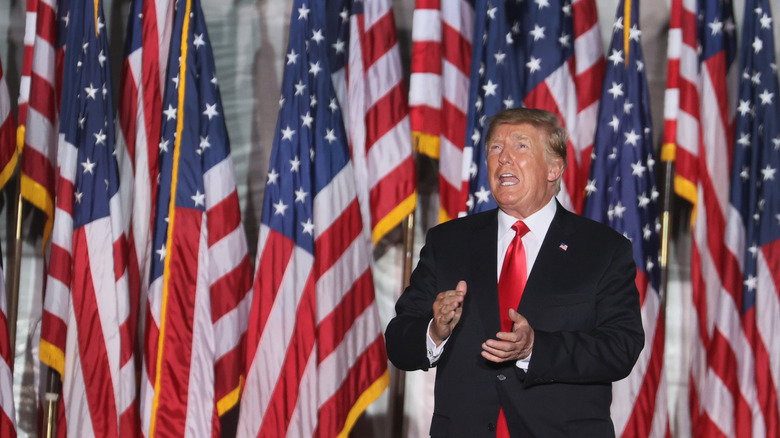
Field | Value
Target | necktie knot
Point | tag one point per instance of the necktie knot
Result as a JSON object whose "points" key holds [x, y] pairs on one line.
{"points": [[520, 229]]}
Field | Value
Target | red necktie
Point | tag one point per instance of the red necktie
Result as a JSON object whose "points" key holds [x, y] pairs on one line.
{"points": [[510, 290]]}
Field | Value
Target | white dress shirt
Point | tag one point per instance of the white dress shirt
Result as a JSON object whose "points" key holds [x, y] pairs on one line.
{"points": [[538, 223]]}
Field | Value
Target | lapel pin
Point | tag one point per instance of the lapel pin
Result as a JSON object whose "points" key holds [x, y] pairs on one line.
{"points": [[563, 246]]}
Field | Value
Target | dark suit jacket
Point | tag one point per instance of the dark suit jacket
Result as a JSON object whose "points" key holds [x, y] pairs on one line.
{"points": [[581, 302]]}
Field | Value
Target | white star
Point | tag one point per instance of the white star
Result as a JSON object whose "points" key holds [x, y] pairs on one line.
{"points": [[534, 64], [751, 282], [757, 45], [312, 100], [616, 90], [287, 133], [509, 39], [649, 265], [78, 195], [491, 13], [330, 135], [614, 123], [627, 105], [632, 137], [745, 174], [164, 145], [500, 56], [214, 80], [756, 78], [314, 68], [344, 14], [777, 216], [478, 104], [766, 97], [333, 105], [744, 107], [470, 203], [100, 25], [744, 139], [616, 57], [647, 233], [204, 143], [101, 58], [300, 87], [280, 207], [161, 252], [199, 198], [317, 36], [308, 227], [776, 142], [542, 3], [753, 250], [769, 173], [642, 201], [564, 40], [300, 195], [634, 33], [303, 12], [338, 46], [766, 21], [66, 19], [619, 209], [175, 80], [91, 91], [613, 155], [537, 33], [483, 195], [198, 41], [295, 164], [650, 163], [618, 24], [292, 57], [509, 102], [638, 169], [170, 113], [716, 26], [490, 88], [100, 138], [82, 121], [566, 9], [591, 187], [210, 111], [476, 136], [307, 119], [89, 166], [273, 176]]}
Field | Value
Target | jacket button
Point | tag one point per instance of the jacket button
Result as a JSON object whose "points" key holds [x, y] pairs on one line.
{"points": [[501, 377], [491, 427]]}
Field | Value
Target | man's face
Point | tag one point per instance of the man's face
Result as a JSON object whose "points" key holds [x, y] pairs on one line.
{"points": [[522, 176]]}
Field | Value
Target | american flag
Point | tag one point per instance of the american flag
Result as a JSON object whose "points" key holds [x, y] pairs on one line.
{"points": [[621, 192], [140, 116], [39, 102], [366, 70], [85, 332], [315, 351], [8, 160], [544, 54], [698, 136], [753, 236], [201, 273], [438, 93]]}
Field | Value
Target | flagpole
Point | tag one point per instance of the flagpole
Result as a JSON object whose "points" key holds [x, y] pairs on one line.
{"points": [[398, 379], [16, 268], [666, 221]]}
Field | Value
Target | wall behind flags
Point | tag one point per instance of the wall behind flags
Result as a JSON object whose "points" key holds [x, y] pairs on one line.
{"points": [[249, 39]]}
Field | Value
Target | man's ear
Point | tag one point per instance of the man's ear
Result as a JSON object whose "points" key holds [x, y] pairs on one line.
{"points": [[554, 168]]}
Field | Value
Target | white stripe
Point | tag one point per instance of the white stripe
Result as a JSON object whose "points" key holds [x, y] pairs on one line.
{"points": [[450, 163], [735, 235], [303, 420], [41, 134], [374, 11], [337, 281], [768, 317], [155, 299], [455, 86], [30, 20], [459, 15], [146, 400], [127, 389], [689, 65], [164, 23], [716, 142], [74, 390], [671, 103], [583, 136], [200, 388], [688, 133], [231, 326], [24, 94], [333, 199], [5, 100], [674, 47], [588, 50], [57, 299], [386, 154], [44, 60], [62, 231], [425, 89], [717, 403], [426, 25], [660, 415], [227, 254], [219, 182], [67, 160], [6, 391]]}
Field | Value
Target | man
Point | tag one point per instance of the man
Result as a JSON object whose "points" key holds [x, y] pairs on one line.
{"points": [[543, 366]]}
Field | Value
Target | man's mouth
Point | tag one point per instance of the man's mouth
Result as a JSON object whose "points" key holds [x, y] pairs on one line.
{"points": [[507, 179]]}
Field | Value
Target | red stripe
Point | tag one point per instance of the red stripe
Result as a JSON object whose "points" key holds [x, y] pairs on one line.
{"points": [[427, 4], [42, 98], [7, 428], [46, 23], [271, 268], [60, 264], [38, 168], [5, 349], [717, 68], [223, 218], [287, 390], [723, 362], [129, 425], [333, 242], [378, 39], [174, 370], [66, 196], [334, 327], [641, 282], [364, 372], [227, 371], [457, 49], [425, 119], [54, 330], [92, 349], [454, 124], [765, 385], [395, 187], [230, 289], [152, 95], [150, 344], [426, 57], [585, 16], [128, 109], [587, 93], [689, 36]]}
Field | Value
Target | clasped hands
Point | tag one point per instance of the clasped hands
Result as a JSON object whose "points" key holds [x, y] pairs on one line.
{"points": [[514, 345]]}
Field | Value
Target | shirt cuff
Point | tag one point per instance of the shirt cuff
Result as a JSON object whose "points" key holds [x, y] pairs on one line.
{"points": [[434, 351], [523, 363]]}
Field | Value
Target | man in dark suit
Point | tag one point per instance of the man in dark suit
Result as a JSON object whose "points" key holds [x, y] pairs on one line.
{"points": [[547, 369]]}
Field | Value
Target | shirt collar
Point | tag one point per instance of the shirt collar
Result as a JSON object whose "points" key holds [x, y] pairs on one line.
{"points": [[538, 223]]}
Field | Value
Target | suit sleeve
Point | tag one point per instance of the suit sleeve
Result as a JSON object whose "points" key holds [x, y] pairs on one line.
{"points": [[405, 336], [608, 351]]}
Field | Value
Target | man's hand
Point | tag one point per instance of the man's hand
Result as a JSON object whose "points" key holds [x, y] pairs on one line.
{"points": [[514, 345], [447, 310]]}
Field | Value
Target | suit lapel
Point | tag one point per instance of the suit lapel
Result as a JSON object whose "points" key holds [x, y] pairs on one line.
{"points": [[483, 288]]}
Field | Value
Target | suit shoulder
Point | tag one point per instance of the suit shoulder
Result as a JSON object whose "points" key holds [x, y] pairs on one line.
{"points": [[593, 229], [465, 223]]}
